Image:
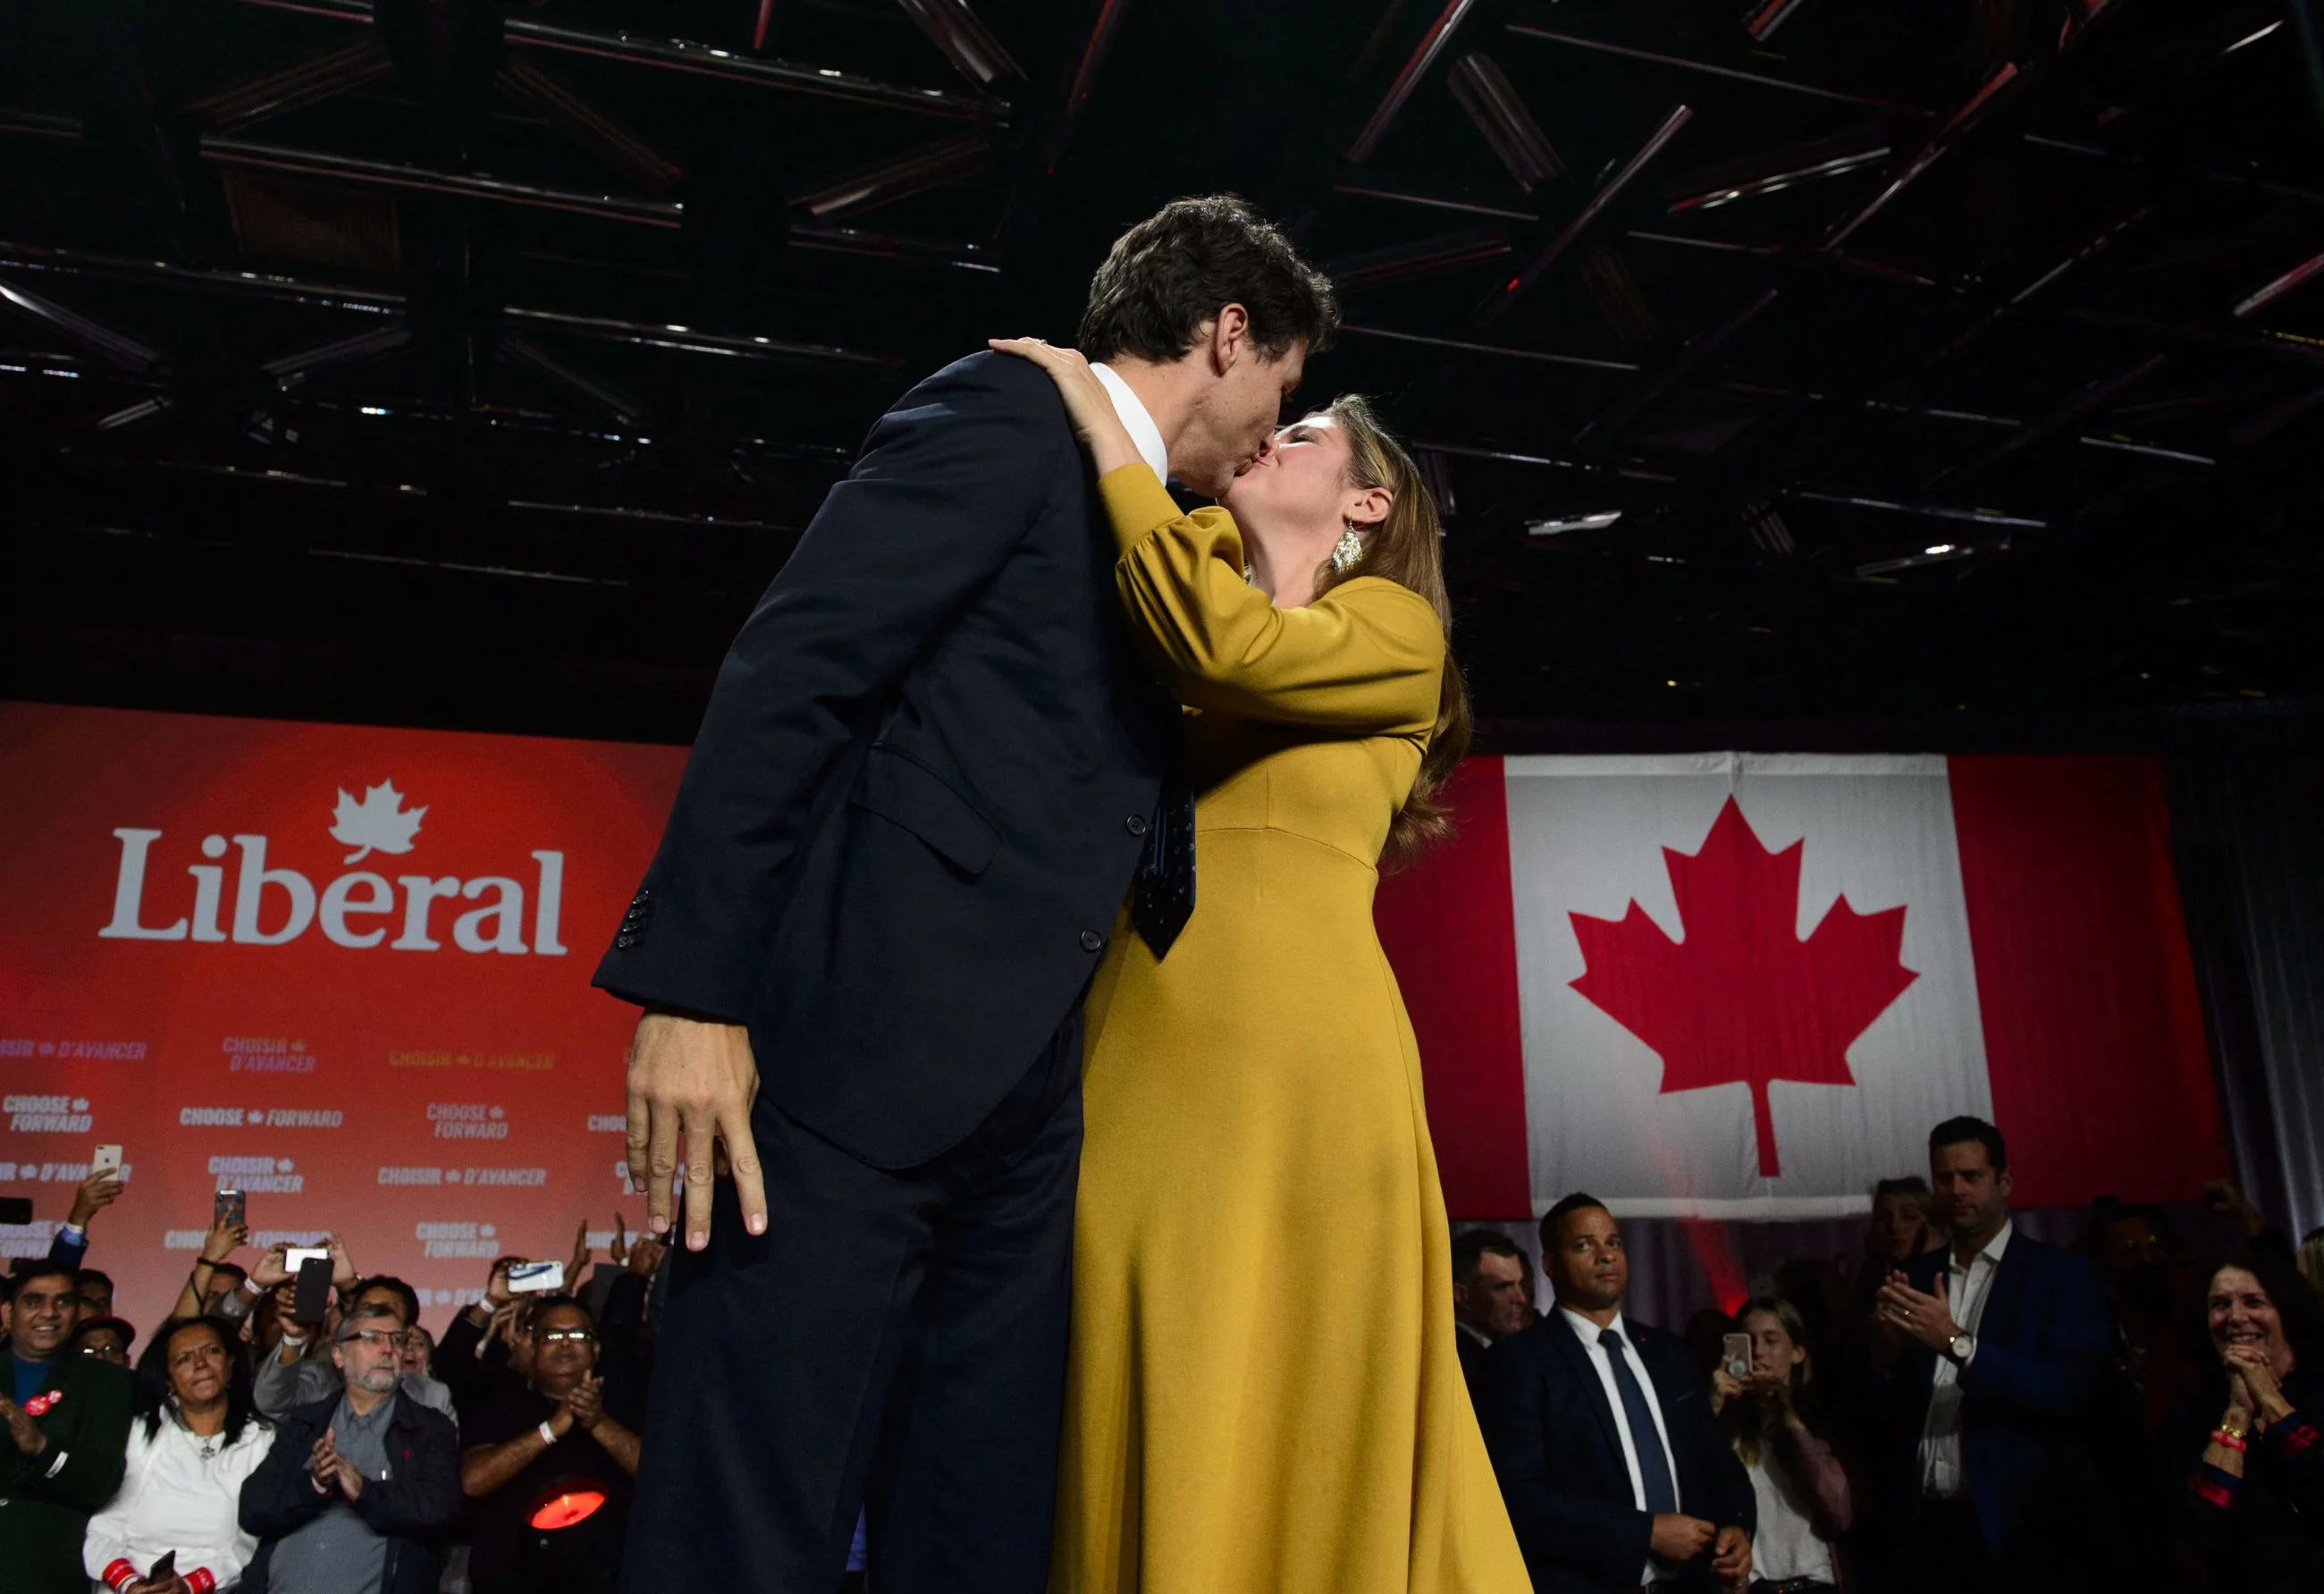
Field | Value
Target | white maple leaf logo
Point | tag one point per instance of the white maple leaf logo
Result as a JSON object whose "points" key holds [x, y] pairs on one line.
{"points": [[379, 821]]}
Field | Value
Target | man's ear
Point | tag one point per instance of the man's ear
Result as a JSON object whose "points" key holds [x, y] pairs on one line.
{"points": [[1229, 335]]}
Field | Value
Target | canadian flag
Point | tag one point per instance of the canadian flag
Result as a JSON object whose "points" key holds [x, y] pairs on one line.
{"points": [[1736, 985]]}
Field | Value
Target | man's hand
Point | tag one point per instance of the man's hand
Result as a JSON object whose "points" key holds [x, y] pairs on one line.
{"points": [[697, 1078], [1926, 1319], [1730, 1559], [223, 1242], [322, 1460], [343, 1267], [586, 1403], [560, 1421], [645, 1255], [271, 1270], [1680, 1539], [618, 1252], [579, 1265], [22, 1429], [99, 1191]]}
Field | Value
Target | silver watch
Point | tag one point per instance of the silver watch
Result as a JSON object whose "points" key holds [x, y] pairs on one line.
{"points": [[1961, 1348]]}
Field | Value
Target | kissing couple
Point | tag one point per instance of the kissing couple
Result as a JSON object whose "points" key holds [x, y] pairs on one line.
{"points": [[1058, 1191]]}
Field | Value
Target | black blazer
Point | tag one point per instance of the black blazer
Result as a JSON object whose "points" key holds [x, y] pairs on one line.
{"points": [[2027, 1396], [919, 791], [1559, 1457], [412, 1509]]}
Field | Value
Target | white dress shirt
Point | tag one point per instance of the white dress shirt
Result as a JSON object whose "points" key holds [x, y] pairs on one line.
{"points": [[1588, 1332], [1142, 430], [1943, 1475], [174, 1497]]}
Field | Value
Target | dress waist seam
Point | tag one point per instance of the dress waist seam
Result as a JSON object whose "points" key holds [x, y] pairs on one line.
{"points": [[1369, 867]]}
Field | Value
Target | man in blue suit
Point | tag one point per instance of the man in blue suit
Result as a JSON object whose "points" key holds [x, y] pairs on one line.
{"points": [[1615, 1473], [1985, 1358]]}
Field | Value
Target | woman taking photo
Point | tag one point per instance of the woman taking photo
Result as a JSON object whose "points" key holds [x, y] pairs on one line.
{"points": [[2243, 1461], [1255, 1144], [1802, 1491], [197, 1436]]}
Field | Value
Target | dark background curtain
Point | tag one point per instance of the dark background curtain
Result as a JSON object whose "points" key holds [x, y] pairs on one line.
{"points": [[2248, 830]]}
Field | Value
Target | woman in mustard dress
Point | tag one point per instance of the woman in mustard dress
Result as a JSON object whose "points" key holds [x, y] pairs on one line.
{"points": [[1263, 1393]]}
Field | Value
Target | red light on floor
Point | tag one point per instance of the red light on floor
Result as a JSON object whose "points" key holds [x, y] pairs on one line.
{"points": [[565, 1510]]}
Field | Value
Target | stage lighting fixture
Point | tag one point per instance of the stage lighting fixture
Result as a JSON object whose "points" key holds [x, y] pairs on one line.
{"points": [[1587, 521], [1485, 92], [566, 1509]]}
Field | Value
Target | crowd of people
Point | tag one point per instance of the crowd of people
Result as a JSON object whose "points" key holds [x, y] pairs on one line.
{"points": [[252, 1445], [1969, 1408]]}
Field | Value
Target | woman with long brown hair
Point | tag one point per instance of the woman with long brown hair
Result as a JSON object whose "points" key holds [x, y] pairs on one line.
{"points": [[1263, 1388]]}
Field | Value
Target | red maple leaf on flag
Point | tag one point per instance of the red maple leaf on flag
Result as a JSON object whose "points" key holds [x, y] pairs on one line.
{"points": [[1741, 998]]}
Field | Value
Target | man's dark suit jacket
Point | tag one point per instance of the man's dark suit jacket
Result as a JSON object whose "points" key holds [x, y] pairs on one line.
{"points": [[413, 1508], [919, 791], [2042, 1341], [1559, 1456]]}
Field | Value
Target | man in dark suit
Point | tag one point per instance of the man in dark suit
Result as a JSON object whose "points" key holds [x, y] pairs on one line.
{"points": [[1615, 1471], [1491, 1292], [927, 776], [1985, 1359]]}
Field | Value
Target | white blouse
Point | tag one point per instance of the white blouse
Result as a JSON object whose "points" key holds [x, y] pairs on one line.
{"points": [[179, 1492]]}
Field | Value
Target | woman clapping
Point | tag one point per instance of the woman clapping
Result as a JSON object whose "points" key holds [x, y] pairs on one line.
{"points": [[198, 1435], [2247, 1467]]}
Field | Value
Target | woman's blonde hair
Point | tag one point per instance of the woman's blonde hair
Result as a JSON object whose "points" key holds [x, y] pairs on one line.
{"points": [[1745, 1422], [1405, 549]]}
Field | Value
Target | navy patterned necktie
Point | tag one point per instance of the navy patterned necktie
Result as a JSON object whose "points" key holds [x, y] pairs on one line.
{"points": [[1638, 1418], [1162, 895]]}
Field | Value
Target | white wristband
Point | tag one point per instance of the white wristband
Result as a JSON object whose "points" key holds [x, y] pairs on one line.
{"points": [[548, 1434]]}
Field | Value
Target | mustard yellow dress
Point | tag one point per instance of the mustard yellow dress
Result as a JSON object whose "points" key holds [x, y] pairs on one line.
{"points": [[1263, 1394]]}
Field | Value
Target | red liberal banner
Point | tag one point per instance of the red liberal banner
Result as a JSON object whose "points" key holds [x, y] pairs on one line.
{"points": [[1742, 985], [342, 969]]}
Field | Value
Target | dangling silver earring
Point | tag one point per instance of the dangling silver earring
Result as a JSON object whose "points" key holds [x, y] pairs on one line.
{"points": [[1347, 551]]}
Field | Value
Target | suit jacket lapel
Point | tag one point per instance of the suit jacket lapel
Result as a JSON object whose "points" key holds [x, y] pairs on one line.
{"points": [[1584, 1375], [2002, 1295]]}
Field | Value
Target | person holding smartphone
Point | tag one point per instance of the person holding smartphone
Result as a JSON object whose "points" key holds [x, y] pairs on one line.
{"points": [[1800, 1487]]}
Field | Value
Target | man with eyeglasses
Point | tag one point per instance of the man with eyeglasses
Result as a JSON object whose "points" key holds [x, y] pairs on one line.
{"points": [[291, 1376], [361, 1486], [550, 1467]]}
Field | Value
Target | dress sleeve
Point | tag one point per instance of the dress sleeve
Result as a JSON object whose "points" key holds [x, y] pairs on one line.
{"points": [[1367, 656]]}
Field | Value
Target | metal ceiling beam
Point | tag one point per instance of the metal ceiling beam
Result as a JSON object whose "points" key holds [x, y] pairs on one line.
{"points": [[685, 340], [1496, 351], [1499, 114], [395, 175], [594, 130], [1421, 257], [914, 171], [2091, 397], [1971, 112], [292, 371], [701, 60], [1030, 195], [520, 350], [1771, 171], [118, 348], [1432, 202], [1415, 67], [966, 42], [1610, 426], [2268, 294], [1499, 304], [304, 82], [1685, 64]]}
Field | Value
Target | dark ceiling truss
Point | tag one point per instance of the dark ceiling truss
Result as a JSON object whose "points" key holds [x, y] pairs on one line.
{"points": [[1886, 176]]}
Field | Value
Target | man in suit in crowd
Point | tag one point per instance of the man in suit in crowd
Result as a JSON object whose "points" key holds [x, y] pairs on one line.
{"points": [[1615, 1471], [66, 1421], [1490, 1284], [929, 771], [1985, 1359]]}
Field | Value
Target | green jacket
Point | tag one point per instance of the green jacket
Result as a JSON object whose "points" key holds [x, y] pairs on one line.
{"points": [[46, 1500]]}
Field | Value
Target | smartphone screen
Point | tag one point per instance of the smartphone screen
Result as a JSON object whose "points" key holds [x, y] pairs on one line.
{"points": [[107, 1160], [532, 1277], [229, 1210], [1737, 1349], [313, 1297], [299, 1255]]}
